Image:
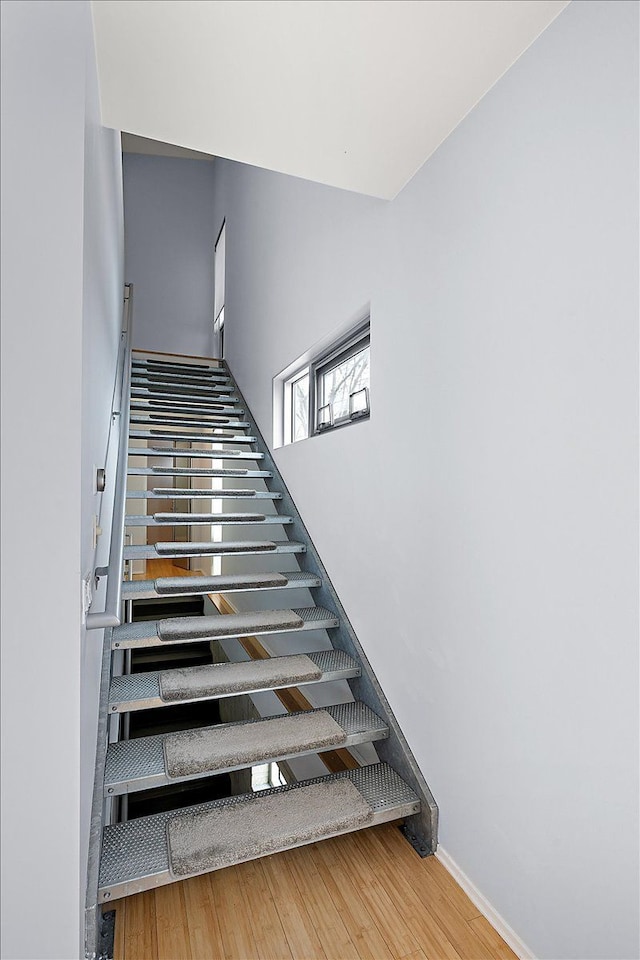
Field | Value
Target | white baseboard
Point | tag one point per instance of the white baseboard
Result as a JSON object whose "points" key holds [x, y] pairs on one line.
{"points": [[497, 922]]}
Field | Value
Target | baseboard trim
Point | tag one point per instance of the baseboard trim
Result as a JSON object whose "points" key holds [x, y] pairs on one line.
{"points": [[499, 924]]}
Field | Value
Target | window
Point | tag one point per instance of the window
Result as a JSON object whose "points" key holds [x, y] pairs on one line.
{"points": [[219, 293], [342, 384], [325, 389]]}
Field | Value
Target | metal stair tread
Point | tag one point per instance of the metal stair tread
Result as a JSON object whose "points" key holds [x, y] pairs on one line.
{"points": [[172, 423], [135, 854], [190, 437], [166, 366], [227, 583], [182, 377], [207, 401], [141, 691], [214, 438], [218, 454], [140, 763], [194, 519], [197, 472], [149, 633], [159, 407], [195, 493], [170, 386], [209, 548]]}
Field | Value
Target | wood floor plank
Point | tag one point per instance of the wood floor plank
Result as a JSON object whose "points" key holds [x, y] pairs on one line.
{"points": [[233, 914], [435, 902], [453, 890], [499, 950], [141, 938], [361, 926], [398, 934], [302, 938], [121, 920], [431, 937], [268, 934], [204, 930], [336, 941], [172, 924], [414, 867]]}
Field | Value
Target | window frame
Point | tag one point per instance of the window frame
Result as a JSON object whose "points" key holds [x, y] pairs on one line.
{"points": [[340, 351]]}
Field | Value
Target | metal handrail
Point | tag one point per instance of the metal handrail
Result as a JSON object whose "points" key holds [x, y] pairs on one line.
{"points": [[112, 614]]}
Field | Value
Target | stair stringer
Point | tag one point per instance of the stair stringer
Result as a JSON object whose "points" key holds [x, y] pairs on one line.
{"points": [[421, 829]]}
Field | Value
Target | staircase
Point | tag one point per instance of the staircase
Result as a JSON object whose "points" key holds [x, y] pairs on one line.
{"points": [[174, 404]]}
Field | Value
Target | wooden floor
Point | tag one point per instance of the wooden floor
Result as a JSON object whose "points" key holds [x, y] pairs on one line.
{"points": [[364, 895]]}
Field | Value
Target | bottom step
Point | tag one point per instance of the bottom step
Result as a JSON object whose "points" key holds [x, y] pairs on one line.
{"points": [[151, 851]]}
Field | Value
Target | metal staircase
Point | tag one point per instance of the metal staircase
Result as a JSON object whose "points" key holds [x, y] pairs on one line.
{"points": [[196, 404]]}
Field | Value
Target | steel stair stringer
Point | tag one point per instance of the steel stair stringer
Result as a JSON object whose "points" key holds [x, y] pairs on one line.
{"points": [[421, 829]]}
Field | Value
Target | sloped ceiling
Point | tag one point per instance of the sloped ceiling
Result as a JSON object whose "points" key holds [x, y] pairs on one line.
{"points": [[352, 93]]}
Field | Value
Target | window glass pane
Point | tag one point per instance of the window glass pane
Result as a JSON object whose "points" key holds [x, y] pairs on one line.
{"points": [[300, 408], [337, 383]]}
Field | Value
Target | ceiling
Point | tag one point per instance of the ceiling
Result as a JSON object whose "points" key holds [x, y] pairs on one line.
{"points": [[156, 148], [352, 93]]}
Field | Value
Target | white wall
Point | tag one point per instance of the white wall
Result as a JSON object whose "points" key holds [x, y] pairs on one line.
{"points": [[169, 241], [481, 528], [61, 301]]}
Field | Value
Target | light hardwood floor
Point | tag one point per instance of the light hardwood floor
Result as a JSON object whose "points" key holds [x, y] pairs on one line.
{"points": [[365, 895]]}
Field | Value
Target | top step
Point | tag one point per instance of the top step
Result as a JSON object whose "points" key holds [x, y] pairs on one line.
{"points": [[165, 365]]}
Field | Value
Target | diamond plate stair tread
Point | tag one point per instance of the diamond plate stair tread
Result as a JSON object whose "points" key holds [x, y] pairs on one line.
{"points": [[183, 410], [209, 840], [188, 628], [190, 437], [210, 519], [218, 454], [167, 586], [141, 764], [187, 586], [151, 633], [138, 691], [258, 546], [173, 493], [197, 549], [238, 438], [193, 752], [221, 679], [214, 518], [196, 472], [203, 380], [179, 382], [204, 421], [211, 398], [175, 364], [135, 854]]}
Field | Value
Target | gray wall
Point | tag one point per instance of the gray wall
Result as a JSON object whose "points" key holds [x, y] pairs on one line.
{"points": [[169, 241], [62, 276], [481, 528]]}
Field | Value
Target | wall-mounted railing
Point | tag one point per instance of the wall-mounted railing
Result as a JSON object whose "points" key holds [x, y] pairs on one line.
{"points": [[115, 492]]}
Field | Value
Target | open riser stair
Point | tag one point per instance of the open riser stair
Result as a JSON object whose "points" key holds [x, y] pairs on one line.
{"points": [[172, 690]]}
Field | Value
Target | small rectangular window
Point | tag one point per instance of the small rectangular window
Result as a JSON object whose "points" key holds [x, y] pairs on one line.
{"points": [[296, 407], [300, 407], [341, 379], [325, 390]]}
